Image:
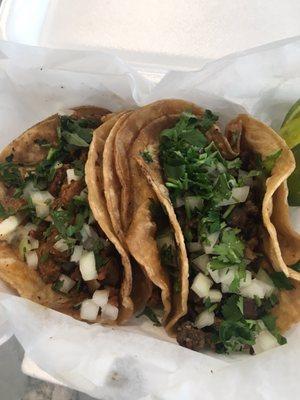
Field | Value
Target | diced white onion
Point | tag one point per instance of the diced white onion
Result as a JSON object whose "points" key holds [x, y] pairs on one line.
{"points": [[109, 312], [32, 259], [264, 341], [215, 274], [87, 266], [247, 280], [194, 246], [29, 189], [247, 180], [41, 197], [88, 232], [193, 202], [84, 193], [225, 288], [34, 243], [214, 295], [201, 285], [58, 165], [71, 176], [227, 275], [100, 297], [68, 283], [77, 253], [29, 227], [9, 225], [256, 288], [24, 247], [212, 240], [201, 262], [89, 310], [42, 210], [263, 276], [61, 245], [179, 202], [205, 318], [238, 195]]}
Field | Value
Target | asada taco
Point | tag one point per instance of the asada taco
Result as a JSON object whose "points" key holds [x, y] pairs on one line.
{"points": [[52, 249], [224, 195]]}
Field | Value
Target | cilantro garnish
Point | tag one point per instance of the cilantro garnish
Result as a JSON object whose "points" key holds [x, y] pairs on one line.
{"points": [[149, 313], [270, 323], [296, 267], [270, 161], [147, 156], [10, 173], [281, 281]]}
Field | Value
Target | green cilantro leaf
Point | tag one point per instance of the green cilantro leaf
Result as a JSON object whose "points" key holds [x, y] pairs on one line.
{"points": [[147, 156], [281, 281], [149, 313], [270, 323], [270, 161]]}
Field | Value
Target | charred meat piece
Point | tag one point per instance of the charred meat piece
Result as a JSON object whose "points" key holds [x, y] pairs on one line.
{"points": [[68, 191], [250, 309], [13, 204], [49, 270], [57, 182], [190, 337]]}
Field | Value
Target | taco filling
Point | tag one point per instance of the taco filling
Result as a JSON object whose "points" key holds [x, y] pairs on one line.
{"points": [[46, 218], [217, 195]]}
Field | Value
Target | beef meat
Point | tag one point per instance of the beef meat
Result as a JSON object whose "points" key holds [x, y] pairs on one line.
{"points": [[190, 337]]}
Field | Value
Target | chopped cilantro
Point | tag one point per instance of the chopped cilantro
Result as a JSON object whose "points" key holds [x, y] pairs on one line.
{"points": [[281, 281], [42, 142], [296, 267], [149, 313], [147, 156], [57, 285], [234, 335], [270, 161], [44, 257], [10, 173], [232, 309], [270, 323]]}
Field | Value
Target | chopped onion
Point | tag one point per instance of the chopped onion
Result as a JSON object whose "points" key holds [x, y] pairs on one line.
{"points": [[29, 189], [41, 197], [205, 318], [256, 288], [109, 312], [75, 257], [179, 202], [201, 262], [194, 246], [247, 280], [263, 276], [192, 202], [212, 240], [29, 227], [88, 232], [87, 266], [61, 245], [89, 310], [201, 285], [67, 283], [71, 176], [215, 274], [24, 247], [84, 193], [244, 176], [42, 210], [227, 275], [34, 243], [100, 297], [9, 225], [264, 341], [225, 288], [238, 195], [58, 165], [214, 295], [32, 259]]}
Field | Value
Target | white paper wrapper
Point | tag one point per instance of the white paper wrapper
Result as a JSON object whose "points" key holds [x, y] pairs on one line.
{"points": [[139, 361]]}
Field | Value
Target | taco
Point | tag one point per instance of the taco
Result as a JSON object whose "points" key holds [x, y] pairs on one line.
{"points": [[52, 249], [218, 193]]}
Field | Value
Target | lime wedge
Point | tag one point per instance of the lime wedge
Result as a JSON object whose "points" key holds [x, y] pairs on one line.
{"points": [[290, 132]]}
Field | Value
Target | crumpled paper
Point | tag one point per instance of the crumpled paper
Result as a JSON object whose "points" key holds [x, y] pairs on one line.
{"points": [[138, 361]]}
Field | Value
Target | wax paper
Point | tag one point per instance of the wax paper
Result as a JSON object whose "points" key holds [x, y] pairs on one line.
{"points": [[139, 361]]}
